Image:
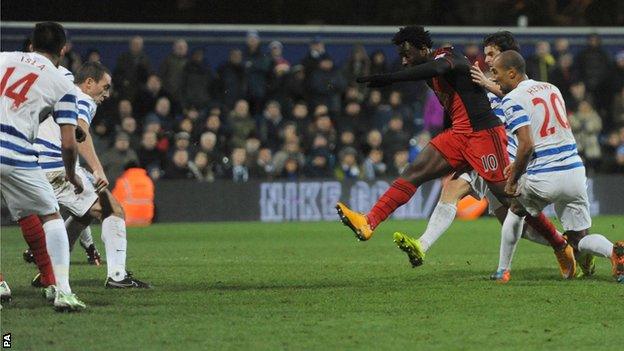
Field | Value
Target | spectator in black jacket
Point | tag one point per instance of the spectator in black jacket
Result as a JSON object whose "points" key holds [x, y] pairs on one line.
{"points": [[196, 81], [257, 69], [149, 156], [327, 85], [131, 69], [179, 166], [172, 68], [232, 79]]}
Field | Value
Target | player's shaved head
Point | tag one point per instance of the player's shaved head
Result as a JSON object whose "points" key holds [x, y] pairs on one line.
{"points": [[511, 60], [49, 38]]}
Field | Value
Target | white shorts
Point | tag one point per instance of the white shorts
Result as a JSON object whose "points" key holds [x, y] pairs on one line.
{"points": [[480, 190], [27, 192], [567, 190], [76, 204]]}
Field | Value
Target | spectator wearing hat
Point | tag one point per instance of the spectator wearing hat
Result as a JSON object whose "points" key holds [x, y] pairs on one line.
{"points": [[115, 159], [258, 70]]}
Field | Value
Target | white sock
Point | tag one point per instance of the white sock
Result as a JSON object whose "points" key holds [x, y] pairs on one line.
{"points": [[596, 244], [440, 220], [74, 228], [114, 238], [510, 234], [86, 239], [58, 249], [532, 235]]}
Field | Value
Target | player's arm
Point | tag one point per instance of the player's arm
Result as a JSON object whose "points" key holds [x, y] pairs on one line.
{"points": [[93, 164], [481, 79], [523, 156], [517, 121], [65, 114], [419, 72], [69, 152]]}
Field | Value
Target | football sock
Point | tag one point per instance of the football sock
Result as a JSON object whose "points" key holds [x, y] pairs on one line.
{"points": [[33, 233], [532, 235], [74, 228], [400, 192], [440, 220], [510, 234], [86, 239], [596, 244], [545, 227], [114, 238], [58, 249]]}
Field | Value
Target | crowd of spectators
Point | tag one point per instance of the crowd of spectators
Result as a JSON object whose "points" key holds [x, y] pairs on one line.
{"points": [[260, 116]]}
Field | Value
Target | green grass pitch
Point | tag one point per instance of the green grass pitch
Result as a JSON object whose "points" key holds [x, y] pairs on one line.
{"points": [[302, 286]]}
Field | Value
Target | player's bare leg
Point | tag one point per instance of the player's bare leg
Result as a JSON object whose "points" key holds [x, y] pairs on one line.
{"points": [[112, 215], [430, 164]]}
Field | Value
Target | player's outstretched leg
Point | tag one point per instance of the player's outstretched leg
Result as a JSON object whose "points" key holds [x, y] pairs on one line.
{"points": [[598, 245], [430, 164]]}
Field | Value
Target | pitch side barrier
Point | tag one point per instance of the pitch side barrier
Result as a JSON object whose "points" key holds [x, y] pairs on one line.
{"points": [[314, 200], [111, 39]]}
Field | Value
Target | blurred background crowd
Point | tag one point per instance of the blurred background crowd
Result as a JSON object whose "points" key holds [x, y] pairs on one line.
{"points": [[261, 115]]}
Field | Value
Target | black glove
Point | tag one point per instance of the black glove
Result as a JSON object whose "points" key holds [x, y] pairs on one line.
{"points": [[374, 81]]}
